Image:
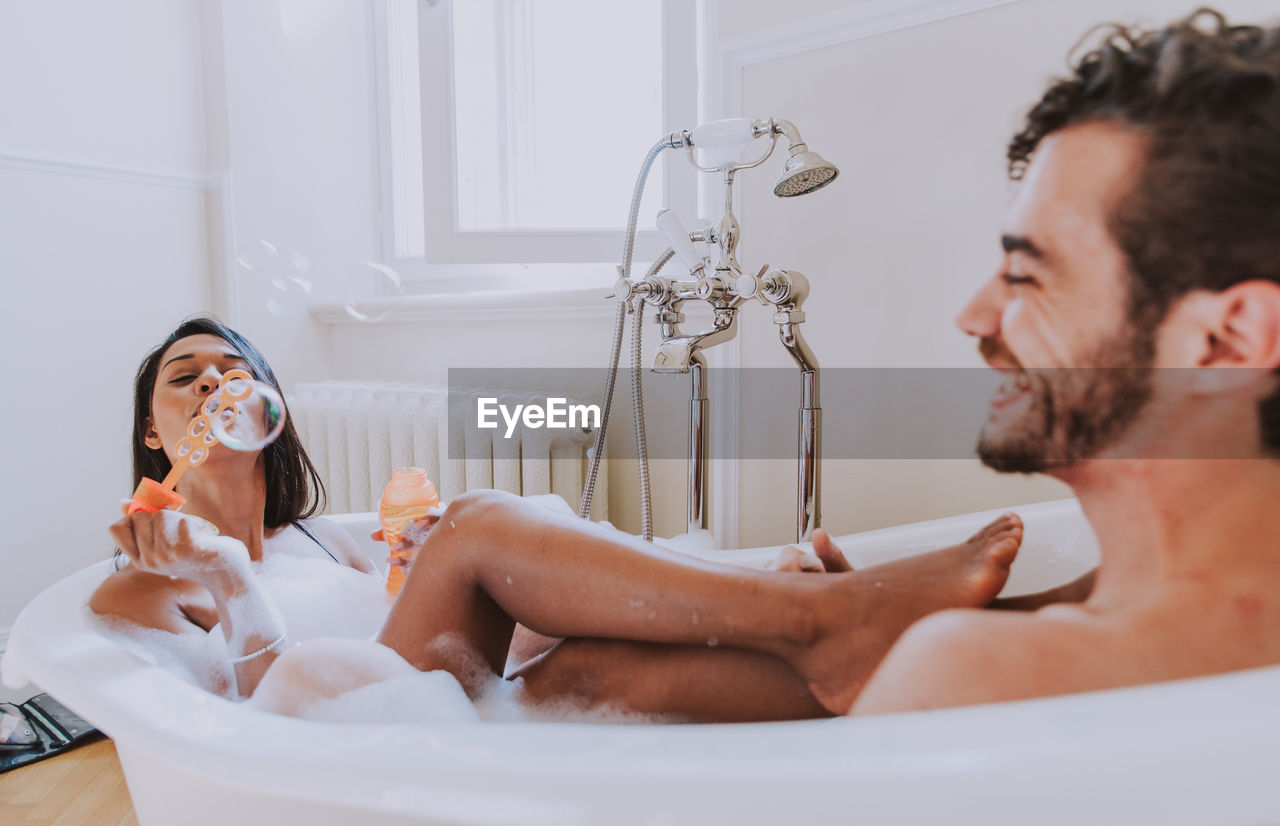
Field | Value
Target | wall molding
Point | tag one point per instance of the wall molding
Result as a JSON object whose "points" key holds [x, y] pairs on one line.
{"points": [[725, 61], [489, 306], [40, 162], [866, 19]]}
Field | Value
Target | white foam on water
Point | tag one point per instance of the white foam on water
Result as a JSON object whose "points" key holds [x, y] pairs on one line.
{"points": [[197, 657], [359, 681], [421, 697], [320, 599], [694, 543]]}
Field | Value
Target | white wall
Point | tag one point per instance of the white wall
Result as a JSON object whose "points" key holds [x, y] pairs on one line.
{"points": [[298, 149], [103, 247]]}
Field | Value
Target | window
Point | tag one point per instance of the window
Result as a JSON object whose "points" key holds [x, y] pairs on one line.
{"points": [[514, 131]]}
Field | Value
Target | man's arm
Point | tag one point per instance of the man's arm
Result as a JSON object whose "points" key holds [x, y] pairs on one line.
{"points": [[967, 657]]}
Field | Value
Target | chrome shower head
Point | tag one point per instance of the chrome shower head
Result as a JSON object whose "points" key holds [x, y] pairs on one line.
{"points": [[804, 172]]}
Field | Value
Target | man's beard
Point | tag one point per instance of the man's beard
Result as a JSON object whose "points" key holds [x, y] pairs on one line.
{"points": [[1075, 412]]}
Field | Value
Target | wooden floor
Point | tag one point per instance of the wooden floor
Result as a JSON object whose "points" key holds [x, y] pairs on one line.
{"points": [[83, 787]]}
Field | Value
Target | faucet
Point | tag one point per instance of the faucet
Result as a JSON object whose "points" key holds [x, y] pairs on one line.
{"points": [[726, 289]]}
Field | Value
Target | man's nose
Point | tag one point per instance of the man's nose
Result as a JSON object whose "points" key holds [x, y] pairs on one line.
{"points": [[981, 316]]}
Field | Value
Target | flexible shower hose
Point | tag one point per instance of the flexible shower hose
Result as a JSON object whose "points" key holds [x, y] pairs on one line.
{"points": [[628, 250]]}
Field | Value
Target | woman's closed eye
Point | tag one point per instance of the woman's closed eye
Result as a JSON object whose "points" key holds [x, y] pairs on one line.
{"points": [[1019, 280]]}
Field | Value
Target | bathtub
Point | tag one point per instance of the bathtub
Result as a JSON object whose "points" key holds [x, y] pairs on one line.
{"points": [[1194, 751]]}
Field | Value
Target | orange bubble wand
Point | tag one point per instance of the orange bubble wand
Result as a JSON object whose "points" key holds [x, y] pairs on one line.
{"points": [[193, 449]]}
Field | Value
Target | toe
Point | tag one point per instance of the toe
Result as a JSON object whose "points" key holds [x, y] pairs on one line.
{"points": [[833, 559], [993, 527]]}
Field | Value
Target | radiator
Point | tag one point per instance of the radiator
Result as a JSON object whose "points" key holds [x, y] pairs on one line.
{"points": [[357, 432]]}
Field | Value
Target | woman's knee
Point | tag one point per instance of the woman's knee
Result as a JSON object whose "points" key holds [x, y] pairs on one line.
{"points": [[480, 511], [479, 501]]}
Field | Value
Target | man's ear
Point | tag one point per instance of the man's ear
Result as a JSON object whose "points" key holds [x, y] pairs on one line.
{"points": [[1238, 327], [151, 437], [1243, 327]]}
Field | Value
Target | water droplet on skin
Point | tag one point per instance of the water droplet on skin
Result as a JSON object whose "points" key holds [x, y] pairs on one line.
{"points": [[879, 584], [509, 581], [636, 603], [712, 642], [451, 524], [695, 617], [653, 614]]}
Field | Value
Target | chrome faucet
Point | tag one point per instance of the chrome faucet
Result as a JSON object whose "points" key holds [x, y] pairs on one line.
{"points": [[725, 289]]}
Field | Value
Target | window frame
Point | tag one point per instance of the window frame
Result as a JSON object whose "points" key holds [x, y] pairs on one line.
{"points": [[457, 259]]}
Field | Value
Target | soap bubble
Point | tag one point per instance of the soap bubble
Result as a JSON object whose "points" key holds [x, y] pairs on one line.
{"points": [[261, 257], [283, 277], [249, 415], [373, 291]]}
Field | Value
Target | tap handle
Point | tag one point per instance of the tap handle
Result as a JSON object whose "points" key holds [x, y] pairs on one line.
{"points": [[749, 286], [673, 229]]}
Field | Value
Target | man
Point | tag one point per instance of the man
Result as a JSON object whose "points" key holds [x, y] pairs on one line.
{"points": [[1136, 314]]}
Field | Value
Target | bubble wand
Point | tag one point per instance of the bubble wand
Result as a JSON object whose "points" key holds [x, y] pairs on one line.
{"points": [[193, 449]]}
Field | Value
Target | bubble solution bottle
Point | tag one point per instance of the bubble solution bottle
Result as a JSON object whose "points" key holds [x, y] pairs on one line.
{"points": [[408, 496]]}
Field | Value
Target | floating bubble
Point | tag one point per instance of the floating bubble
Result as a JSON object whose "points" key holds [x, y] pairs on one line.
{"points": [[297, 268], [261, 257], [252, 418], [283, 277], [373, 291]]}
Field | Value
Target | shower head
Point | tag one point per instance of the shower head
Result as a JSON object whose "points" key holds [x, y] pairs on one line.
{"points": [[804, 172]]}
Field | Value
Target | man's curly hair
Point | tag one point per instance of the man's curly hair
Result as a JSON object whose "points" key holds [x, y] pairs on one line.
{"points": [[1205, 212]]}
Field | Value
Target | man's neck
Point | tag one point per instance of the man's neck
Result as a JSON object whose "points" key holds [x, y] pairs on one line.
{"points": [[1159, 521]]}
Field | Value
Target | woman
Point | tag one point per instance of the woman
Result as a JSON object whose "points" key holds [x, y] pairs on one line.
{"points": [[647, 630]]}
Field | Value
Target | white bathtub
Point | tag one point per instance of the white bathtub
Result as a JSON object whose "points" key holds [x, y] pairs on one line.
{"points": [[1204, 751]]}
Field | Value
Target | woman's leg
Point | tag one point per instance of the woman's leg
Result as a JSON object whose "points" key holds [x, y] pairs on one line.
{"points": [[493, 559], [690, 683]]}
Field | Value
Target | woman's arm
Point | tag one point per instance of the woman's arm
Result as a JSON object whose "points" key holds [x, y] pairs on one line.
{"points": [[163, 543]]}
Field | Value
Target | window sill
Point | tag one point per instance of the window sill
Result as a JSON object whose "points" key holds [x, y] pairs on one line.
{"points": [[482, 305]]}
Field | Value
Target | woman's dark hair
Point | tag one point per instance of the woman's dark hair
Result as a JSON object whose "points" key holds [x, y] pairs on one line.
{"points": [[294, 489], [1205, 211]]}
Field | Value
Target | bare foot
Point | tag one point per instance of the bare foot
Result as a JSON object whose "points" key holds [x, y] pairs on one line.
{"points": [[865, 611]]}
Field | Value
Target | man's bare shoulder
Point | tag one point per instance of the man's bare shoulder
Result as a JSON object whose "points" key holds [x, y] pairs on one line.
{"points": [[971, 656]]}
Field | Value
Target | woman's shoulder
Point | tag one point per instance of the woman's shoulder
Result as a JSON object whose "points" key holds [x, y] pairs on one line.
{"points": [[338, 542]]}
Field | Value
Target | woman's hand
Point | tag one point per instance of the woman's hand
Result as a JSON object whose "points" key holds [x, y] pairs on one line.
{"points": [[404, 548], [166, 543]]}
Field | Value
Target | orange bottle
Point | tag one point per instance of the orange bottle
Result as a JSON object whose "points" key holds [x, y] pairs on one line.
{"points": [[408, 496]]}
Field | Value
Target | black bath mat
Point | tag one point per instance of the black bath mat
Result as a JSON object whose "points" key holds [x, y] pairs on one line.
{"points": [[39, 728]]}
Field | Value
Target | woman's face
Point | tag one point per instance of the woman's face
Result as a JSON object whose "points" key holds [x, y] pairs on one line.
{"points": [[189, 373]]}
